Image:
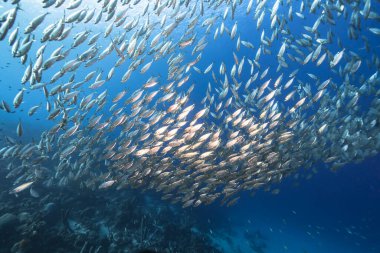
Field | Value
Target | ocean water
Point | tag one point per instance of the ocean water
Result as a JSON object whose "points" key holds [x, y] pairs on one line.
{"points": [[318, 207]]}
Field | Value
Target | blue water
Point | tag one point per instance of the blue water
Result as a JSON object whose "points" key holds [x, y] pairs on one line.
{"points": [[321, 211], [331, 212]]}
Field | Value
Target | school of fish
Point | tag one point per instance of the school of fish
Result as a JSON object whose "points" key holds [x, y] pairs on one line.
{"points": [[255, 124]]}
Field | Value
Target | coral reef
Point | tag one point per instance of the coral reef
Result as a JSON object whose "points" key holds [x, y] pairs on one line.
{"points": [[75, 220]]}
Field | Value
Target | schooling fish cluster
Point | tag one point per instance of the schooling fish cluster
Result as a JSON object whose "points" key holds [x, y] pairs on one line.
{"points": [[293, 92]]}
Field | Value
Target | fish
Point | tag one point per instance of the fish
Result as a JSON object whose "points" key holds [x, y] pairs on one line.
{"points": [[19, 129], [337, 57], [198, 118], [374, 30], [21, 187], [34, 193], [5, 106], [107, 184], [35, 23], [18, 98]]}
